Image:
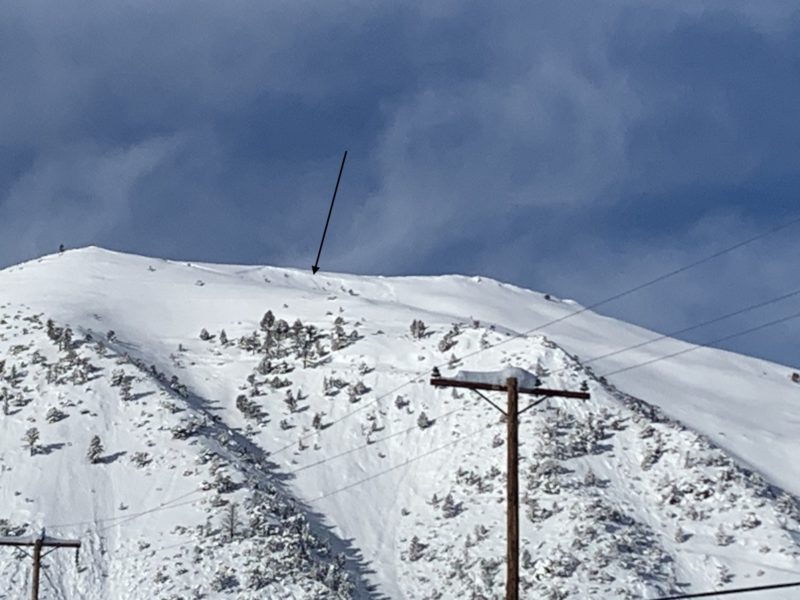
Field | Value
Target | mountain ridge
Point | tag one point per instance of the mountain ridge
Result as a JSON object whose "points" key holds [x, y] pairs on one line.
{"points": [[157, 309]]}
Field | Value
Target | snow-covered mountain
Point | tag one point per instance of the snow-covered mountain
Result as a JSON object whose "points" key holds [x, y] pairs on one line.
{"points": [[269, 433]]}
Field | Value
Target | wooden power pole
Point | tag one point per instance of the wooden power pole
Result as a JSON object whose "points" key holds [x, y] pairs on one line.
{"points": [[38, 542], [511, 413]]}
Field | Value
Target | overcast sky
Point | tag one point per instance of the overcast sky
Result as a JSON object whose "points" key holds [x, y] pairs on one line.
{"points": [[577, 148]]}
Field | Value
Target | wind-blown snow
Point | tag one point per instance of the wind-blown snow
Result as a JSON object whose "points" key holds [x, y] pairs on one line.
{"points": [[679, 475]]}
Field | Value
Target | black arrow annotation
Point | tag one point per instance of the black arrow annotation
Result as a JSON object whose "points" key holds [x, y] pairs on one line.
{"points": [[315, 266]]}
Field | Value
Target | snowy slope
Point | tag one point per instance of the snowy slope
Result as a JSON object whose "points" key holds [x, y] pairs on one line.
{"points": [[674, 476]]}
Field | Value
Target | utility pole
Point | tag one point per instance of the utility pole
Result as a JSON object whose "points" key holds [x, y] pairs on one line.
{"points": [[512, 412], [38, 542], [512, 490]]}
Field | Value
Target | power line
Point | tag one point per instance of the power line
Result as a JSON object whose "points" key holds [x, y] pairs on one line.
{"points": [[619, 351], [343, 488], [629, 368], [372, 443], [161, 506], [161, 549], [744, 590], [416, 378], [398, 466], [677, 332], [596, 358], [420, 376], [135, 516], [120, 519], [170, 504], [705, 345], [644, 285], [350, 413], [672, 334], [166, 505]]}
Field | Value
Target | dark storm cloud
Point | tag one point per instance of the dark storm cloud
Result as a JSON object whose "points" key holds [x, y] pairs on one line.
{"points": [[574, 147]]}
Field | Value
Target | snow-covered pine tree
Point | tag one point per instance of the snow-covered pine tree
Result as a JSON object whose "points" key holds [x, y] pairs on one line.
{"points": [[415, 329], [267, 321], [423, 422], [54, 415], [416, 549], [316, 423], [31, 438], [281, 329], [95, 450], [230, 521], [291, 401], [450, 508], [141, 459]]}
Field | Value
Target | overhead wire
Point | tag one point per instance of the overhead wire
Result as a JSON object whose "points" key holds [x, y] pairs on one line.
{"points": [[361, 481], [706, 323], [171, 504], [420, 376], [683, 330], [742, 590], [704, 345], [161, 506], [616, 352]]}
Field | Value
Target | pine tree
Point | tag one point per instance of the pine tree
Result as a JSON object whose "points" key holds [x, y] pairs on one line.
{"points": [[65, 343], [95, 450], [415, 549], [297, 328], [450, 508], [281, 329], [267, 321], [291, 401], [230, 521], [31, 438], [423, 421], [316, 423], [418, 329], [54, 415]]}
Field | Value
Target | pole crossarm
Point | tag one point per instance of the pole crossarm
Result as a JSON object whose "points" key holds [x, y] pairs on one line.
{"points": [[37, 542], [493, 387], [16, 541], [47, 542]]}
